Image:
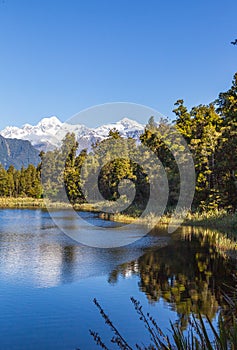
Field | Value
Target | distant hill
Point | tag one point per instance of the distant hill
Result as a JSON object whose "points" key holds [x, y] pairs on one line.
{"points": [[17, 153]]}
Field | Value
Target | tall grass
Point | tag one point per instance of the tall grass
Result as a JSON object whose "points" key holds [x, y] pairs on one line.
{"points": [[197, 337], [219, 219], [29, 202], [21, 202], [213, 218]]}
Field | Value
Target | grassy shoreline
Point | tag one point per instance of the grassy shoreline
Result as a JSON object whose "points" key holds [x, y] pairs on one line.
{"points": [[216, 219], [219, 219], [40, 203]]}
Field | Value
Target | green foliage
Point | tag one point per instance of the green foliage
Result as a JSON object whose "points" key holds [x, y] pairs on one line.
{"points": [[162, 140], [117, 170], [20, 183], [60, 171], [211, 135]]}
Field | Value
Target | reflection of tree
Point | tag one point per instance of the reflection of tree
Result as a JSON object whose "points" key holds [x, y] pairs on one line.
{"points": [[68, 263], [188, 274], [126, 270]]}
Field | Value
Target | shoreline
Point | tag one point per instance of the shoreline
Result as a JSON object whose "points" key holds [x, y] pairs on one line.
{"points": [[216, 219], [41, 203]]}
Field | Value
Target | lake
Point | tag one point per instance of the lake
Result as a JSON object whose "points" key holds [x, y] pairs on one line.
{"points": [[48, 281]]}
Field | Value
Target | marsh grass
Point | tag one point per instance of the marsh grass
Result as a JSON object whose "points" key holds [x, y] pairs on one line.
{"points": [[199, 336], [21, 202], [216, 219], [29, 202]]}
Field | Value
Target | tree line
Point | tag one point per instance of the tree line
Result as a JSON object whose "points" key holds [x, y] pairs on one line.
{"points": [[209, 130], [20, 183]]}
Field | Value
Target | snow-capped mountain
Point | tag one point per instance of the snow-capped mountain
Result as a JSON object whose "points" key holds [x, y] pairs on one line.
{"points": [[49, 132], [42, 136]]}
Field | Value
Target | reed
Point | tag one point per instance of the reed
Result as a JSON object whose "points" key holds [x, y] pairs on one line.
{"points": [[21, 202], [200, 335], [216, 219]]}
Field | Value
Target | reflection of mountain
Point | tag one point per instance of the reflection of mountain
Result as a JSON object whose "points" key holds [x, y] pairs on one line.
{"points": [[50, 264], [39, 254], [41, 265], [188, 274]]}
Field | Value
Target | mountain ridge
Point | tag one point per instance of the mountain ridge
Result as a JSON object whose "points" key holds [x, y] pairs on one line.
{"points": [[19, 153], [48, 132]]}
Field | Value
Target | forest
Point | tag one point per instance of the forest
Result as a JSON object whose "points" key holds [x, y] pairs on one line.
{"points": [[209, 130]]}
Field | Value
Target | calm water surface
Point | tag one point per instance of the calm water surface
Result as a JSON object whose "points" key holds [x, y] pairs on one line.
{"points": [[48, 281]]}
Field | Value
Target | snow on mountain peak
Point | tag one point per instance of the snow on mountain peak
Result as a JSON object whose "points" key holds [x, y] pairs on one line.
{"points": [[129, 123], [49, 132], [126, 120], [51, 121]]}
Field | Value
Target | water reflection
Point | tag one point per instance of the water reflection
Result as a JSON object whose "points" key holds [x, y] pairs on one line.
{"points": [[188, 274], [187, 271], [34, 252]]}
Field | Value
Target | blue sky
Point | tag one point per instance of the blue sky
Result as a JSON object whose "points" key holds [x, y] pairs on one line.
{"points": [[59, 57]]}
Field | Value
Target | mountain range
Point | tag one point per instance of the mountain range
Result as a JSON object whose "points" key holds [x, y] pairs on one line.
{"points": [[49, 132], [17, 153]]}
